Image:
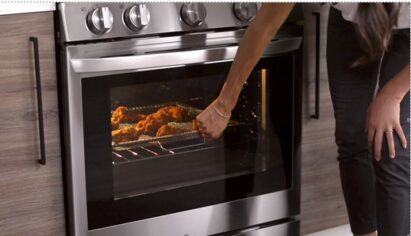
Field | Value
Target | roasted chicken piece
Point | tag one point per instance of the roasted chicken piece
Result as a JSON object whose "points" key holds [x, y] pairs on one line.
{"points": [[125, 134], [164, 115], [123, 115], [174, 128], [178, 114]]}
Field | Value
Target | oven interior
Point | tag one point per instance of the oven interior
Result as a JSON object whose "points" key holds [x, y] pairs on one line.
{"points": [[170, 152]]}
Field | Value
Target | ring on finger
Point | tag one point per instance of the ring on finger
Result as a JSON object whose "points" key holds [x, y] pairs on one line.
{"points": [[388, 131]]}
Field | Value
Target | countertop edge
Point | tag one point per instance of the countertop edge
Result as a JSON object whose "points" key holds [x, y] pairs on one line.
{"points": [[20, 8]]}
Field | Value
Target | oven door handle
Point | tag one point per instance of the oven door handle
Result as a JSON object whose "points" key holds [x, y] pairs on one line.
{"points": [[176, 58]]}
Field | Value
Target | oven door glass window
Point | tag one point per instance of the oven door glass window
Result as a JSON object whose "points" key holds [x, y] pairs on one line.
{"points": [[145, 157]]}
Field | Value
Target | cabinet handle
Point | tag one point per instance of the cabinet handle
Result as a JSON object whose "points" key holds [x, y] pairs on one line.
{"points": [[42, 159], [317, 66]]}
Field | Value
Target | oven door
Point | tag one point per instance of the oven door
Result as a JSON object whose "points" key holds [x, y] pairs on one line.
{"points": [[136, 153]]}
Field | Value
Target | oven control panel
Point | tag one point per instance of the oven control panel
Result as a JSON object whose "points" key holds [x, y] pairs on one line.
{"points": [[95, 21]]}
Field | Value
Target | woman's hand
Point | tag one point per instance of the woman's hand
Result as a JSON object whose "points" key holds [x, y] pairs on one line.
{"points": [[213, 120], [383, 115], [383, 119]]}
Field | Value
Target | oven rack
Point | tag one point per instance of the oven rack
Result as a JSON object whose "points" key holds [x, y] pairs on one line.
{"points": [[161, 148]]}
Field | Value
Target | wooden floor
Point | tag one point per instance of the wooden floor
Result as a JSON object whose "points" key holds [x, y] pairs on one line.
{"points": [[343, 230]]}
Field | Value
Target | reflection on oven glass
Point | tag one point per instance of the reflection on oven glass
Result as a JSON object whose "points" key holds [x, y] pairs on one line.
{"points": [[156, 145]]}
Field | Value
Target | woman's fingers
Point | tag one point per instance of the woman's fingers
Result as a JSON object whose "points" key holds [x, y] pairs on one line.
{"points": [[377, 144], [205, 136], [375, 140], [205, 131], [210, 133], [371, 133], [201, 123], [215, 135], [390, 141], [201, 126], [401, 135]]}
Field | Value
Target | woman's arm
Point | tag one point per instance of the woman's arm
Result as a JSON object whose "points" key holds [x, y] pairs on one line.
{"points": [[213, 120], [383, 116], [266, 24]]}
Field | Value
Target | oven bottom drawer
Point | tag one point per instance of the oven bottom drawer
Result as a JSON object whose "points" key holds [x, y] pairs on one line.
{"points": [[291, 228]]}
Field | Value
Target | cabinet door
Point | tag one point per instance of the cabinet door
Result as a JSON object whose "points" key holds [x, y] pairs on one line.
{"points": [[31, 200], [322, 203]]}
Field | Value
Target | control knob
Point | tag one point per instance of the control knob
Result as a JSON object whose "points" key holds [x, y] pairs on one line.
{"points": [[245, 12], [193, 14], [137, 17], [100, 20]]}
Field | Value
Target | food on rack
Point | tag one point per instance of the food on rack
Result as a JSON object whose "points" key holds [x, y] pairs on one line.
{"points": [[195, 125], [124, 115], [169, 120], [169, 130], [173, 128], [163, 116], [177, 113], [125, 134]]}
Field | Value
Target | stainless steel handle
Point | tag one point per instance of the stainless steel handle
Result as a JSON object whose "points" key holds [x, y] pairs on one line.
{"points": [[172, 59]]}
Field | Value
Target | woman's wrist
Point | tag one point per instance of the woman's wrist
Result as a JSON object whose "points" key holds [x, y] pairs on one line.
{"points": [[398, 87], [393, 92], [224, 105]]}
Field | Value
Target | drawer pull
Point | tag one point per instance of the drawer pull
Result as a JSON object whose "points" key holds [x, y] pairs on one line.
{"points": [[42, 159], [317, 66]]}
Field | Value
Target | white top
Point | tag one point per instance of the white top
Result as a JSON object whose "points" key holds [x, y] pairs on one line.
{"points": [[349, 11]]}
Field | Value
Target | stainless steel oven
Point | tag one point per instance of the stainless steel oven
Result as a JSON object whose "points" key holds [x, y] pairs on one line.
{"points": [[135, 162]]}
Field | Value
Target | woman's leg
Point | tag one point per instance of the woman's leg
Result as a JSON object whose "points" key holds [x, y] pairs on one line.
{"points": [[393, 176], [352, 91]]}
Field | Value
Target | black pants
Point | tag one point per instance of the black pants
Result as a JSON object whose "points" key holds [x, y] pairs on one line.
{"points": [[376, 193]]}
